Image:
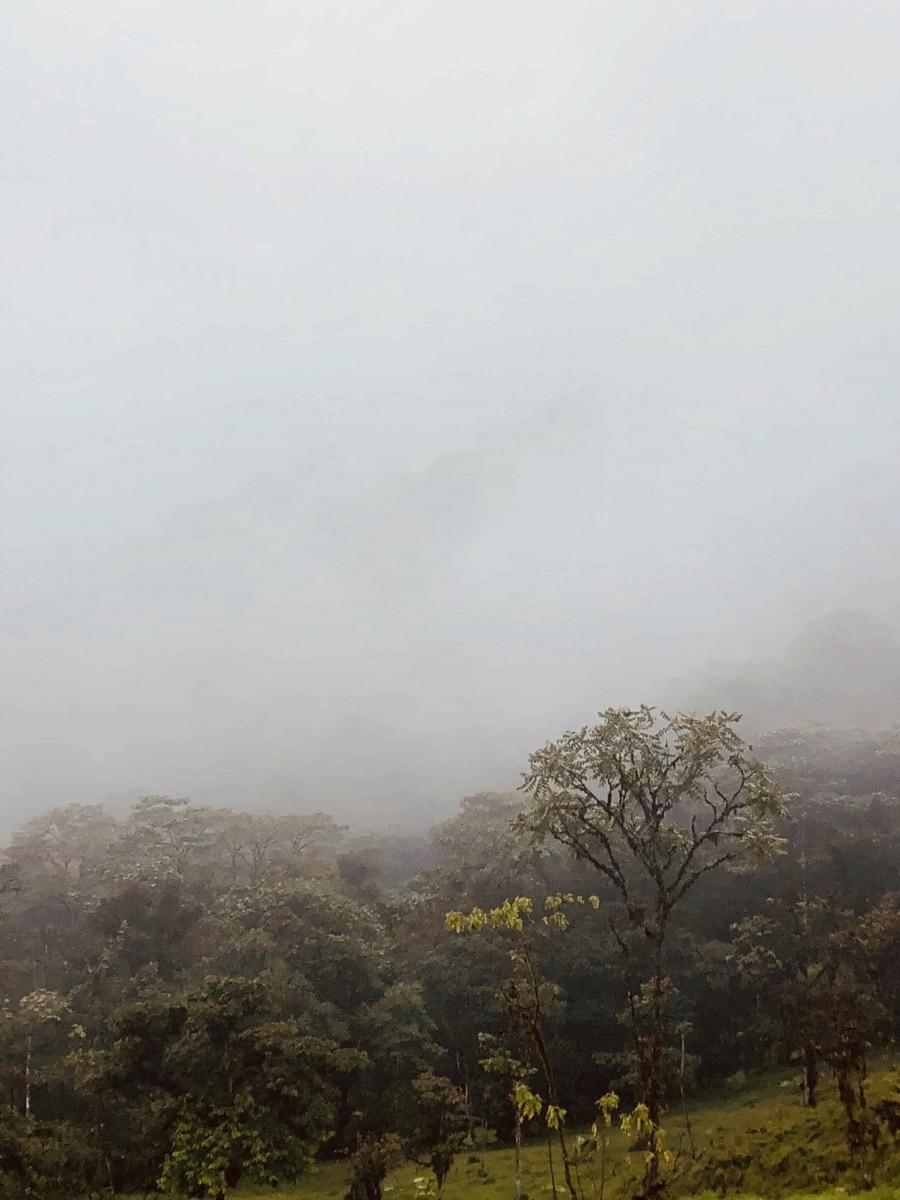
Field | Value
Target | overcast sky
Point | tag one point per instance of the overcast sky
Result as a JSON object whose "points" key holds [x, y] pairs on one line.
{"points": [[389, 384]]}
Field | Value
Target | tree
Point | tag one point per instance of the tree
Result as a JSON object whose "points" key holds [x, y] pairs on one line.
{"points": [[51, 1160], [527, 994], [654, 803], [166, 838], [397, 1036], [64, 846], [321, 938], [252, 848], [501, 1062], [440, 1126], [39, 1011], [370, 1163], [247, 1089], [482, 858]]}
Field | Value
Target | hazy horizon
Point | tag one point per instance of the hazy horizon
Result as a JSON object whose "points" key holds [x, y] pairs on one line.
{"points": [[390, 386]]}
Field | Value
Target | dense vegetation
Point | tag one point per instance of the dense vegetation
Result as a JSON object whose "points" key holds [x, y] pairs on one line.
{"points": [[195, 998]]}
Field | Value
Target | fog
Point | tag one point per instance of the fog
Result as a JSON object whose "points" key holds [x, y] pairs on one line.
{"points": [[389, 384]]}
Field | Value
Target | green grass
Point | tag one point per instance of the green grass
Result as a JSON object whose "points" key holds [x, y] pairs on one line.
{"points": [[761, 1142], [756, 1142]]}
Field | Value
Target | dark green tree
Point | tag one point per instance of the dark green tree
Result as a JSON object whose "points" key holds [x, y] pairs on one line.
{"points": [[440, 1124], [246, 1090]]}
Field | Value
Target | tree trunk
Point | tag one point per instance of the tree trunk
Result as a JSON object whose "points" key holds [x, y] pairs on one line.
{"points": [[518, 1157], [553, 1097], [550, 1160], [684, 1108], [655, 1081], [810, 1075], [28, 1076], [657, 1028]]}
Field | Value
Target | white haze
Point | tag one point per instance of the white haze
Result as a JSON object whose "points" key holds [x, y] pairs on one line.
{"points": [[389, 384]]}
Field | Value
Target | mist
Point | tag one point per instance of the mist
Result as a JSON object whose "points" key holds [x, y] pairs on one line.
{"points": [[389, 386]]}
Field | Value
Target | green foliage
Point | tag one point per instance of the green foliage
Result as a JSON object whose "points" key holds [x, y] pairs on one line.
{"points": [[370, 1163], [214, 1146], [254, 1087], [527, 1103], [440, 1125], [50, 1160]]}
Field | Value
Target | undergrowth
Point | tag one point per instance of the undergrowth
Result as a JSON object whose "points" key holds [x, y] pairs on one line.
{"points": [[755, 1141]]}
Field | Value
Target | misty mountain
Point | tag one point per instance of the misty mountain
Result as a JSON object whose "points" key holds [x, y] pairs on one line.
{"points": [[841, 670]]}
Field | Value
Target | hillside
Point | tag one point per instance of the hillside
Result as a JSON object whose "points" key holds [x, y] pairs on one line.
{"points": [[753, 1138]]}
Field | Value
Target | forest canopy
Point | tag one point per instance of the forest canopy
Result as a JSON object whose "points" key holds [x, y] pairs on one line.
{"points": [[195, 997]]}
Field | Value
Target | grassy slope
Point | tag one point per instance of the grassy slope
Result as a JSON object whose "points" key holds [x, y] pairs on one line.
{"points": [[762, 1141], [758, 1141]]}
